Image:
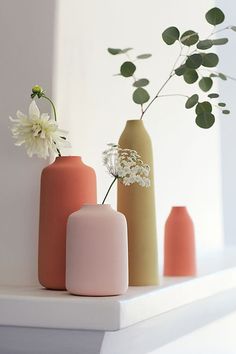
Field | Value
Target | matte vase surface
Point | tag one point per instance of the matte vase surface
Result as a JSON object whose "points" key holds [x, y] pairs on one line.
{"points": [[66, 185], [138, 205], [97, 252], [179, 244]]}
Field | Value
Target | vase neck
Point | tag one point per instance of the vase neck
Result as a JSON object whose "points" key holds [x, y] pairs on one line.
{"points": [[62, 159], [179, 210], [134, 123]]}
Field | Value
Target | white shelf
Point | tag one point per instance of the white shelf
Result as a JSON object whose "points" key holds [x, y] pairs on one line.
{"points": [[35, 307]]}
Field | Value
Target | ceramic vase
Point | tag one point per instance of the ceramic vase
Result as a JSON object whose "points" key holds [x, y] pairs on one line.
{"points": [[138, 205], [179, 244], [97, 252], [66, 185]]}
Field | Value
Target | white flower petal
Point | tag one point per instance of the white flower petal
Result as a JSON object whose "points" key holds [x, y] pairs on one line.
{"points": [[45, 116], [13, 119], [34, 110], [20, 115]]}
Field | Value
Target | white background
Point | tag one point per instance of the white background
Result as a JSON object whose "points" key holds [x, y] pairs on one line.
{"points": [[62, 45]]}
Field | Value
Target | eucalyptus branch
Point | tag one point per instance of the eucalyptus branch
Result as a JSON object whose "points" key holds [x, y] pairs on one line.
{"points": [[191, 60], [160, 90], [219, 73], [173, 95], [176, 61], [218, 107], [172, 73], [219, 30]]}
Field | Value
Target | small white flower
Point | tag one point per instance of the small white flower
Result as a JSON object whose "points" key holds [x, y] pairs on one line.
{"points": [[38, 132], [126, 165]]}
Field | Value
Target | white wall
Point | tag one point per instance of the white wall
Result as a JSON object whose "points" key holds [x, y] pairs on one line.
{"points": [[228, 123], [95, 105], [26, 37]]}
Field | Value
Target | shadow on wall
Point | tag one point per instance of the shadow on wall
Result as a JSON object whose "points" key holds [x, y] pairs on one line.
{"points": [[27, 46]]}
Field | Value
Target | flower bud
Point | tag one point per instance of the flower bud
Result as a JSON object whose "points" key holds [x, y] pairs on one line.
{"points": [[37, 89]]}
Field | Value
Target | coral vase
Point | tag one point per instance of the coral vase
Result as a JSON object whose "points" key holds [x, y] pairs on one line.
{"points": [[179, 244], [66, 184], [138, 205], [97, 252]]}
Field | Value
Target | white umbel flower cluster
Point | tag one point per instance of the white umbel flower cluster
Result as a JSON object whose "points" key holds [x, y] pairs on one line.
{"points": [[38, 133], [126, 165]]}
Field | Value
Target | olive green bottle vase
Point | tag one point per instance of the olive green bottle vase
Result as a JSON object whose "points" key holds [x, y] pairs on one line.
{"points": [[138, 205]]}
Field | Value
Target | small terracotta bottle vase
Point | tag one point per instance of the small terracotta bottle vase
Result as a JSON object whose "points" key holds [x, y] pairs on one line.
{"points": [[97, 252], [179, 244], [66, 185], [138, 206]]}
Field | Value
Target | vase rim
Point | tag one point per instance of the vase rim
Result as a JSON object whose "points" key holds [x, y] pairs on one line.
{"points": [[96, 206], [135, 120], [179, 207], [68, 157]]}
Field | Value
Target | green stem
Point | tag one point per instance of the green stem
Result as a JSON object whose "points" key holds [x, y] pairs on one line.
{"points": [[220, 30], [172, 73], [59, 153], [177, 59], [173, 94], [53, 107], [109, 190], [217, 72], [55, 115], [157, 95]]}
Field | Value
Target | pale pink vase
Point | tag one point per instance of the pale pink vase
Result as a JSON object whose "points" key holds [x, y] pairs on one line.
{"points": [[179, 244], [97, 252]]}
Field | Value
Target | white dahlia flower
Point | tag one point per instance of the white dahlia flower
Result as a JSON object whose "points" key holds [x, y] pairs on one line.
{"points": [[38, 133]]}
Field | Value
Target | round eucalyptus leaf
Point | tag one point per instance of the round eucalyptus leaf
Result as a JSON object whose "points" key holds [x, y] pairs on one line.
{"points": [[170, 35], [215, 16], [190, 76], [127, 69], [233, 28], [180, 70], [140, 96], [213, 95], [210, 60], [141, 83], [220, 41], [226, 111], [189, 38], [205, 84], [222, 104], [144, 56], [205, 44], [205, 120], [194, 61], [114, 51], [203, 107], [191, 101], [222, 76]]}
